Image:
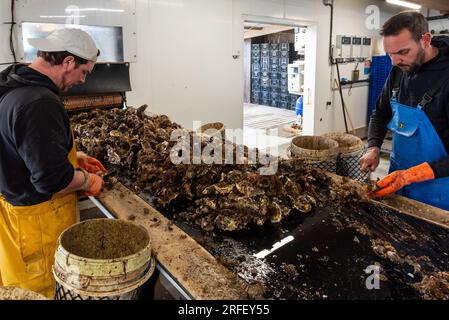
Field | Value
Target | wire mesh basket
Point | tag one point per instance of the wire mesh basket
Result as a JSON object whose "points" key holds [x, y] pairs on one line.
{"points": [[350, 149], [317, 152]]}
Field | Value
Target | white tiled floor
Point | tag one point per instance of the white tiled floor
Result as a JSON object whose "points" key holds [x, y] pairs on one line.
{"points": [[268, 128], [266, 141]]}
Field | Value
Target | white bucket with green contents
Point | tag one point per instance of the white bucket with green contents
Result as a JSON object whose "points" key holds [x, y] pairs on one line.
{"points": [[102, 259]]}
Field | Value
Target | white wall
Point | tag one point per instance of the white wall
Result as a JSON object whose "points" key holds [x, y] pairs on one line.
{"points": [[185, 66], [189, 72]]}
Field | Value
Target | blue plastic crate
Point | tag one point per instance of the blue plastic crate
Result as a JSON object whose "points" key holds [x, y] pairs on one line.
{"points": [[255, 95], [274, 68], [255, 85], [255, 75], [292, 105], [274, 60], [284, 97], [274, 46], [265, 95], [283, 89], [265, 60], [255, 47], [284, 83], [274, 53], [283, 61], [283, 75], [283, 104], [285, 46], [255, 67], [265, 46], [274, 75], [265, 102], [275, 82], [380, 69], [274, 103]]}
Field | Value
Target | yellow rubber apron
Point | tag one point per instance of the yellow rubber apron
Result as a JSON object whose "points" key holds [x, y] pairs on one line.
{"points": [[28, 236]]}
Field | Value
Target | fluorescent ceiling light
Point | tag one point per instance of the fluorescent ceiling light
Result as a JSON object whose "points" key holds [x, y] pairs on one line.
{"points": [[71, 16], [94, 9], [405, 4], [262, 254]]}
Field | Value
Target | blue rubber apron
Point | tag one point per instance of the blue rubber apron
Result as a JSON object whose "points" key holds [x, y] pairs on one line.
{"points": [[415, 141]]}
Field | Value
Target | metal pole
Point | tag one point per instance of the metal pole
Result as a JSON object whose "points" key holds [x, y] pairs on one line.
{"points": [[101, 207]]}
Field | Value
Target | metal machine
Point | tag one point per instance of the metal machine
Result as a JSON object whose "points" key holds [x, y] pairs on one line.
{"points": [[296, 77], [105, 87], [356, 47], [366, 47], [300, 40], [342, 47]]}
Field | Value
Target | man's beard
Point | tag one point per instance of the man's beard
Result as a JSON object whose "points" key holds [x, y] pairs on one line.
{"points": [[419, 61]]}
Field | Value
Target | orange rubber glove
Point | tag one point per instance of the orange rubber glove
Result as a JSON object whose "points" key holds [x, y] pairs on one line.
{"points": [[401, 178], [89, 164], [93, 186]]}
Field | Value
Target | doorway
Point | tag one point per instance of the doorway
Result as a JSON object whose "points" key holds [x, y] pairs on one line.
{"points": [[274, 79]]}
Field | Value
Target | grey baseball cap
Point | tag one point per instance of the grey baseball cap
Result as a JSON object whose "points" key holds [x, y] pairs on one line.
{"points": [[75, 41]]}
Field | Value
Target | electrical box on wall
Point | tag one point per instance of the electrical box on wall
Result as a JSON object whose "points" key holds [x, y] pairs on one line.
{"points": [[343, 47], [300, 39], [366, 47], [356, 47], [296, 77]]}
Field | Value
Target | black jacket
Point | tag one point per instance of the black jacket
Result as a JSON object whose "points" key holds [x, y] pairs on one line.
{"points": [[412, 89], [35, 137]]}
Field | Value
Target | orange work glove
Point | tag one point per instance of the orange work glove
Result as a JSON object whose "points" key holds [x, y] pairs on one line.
{"points": [[401, 178], [88, 163], [94, 184]]}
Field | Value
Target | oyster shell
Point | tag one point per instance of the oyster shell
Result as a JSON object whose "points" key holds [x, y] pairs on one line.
{"points": [[224, 196]]}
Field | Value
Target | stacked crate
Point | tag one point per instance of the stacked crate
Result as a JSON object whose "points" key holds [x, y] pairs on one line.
{"points": [[269, 75], [255, 74], [265, 81]]}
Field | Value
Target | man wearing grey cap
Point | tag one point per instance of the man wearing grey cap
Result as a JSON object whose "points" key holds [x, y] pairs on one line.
{"points": [[40, 170]]}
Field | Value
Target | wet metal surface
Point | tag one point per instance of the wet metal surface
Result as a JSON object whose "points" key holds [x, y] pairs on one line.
{"points": [[330, 252]]}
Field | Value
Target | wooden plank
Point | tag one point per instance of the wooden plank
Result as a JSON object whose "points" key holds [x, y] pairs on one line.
{"points": [[188, 262], [404, 205], [418, 210]]}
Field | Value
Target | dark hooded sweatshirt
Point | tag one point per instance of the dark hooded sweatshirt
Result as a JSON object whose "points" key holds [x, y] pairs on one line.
{"points": [[412, 88], [35, 137]]}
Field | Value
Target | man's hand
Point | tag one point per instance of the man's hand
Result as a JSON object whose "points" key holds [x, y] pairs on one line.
{"points": [[88, 163], [93, 185], [401, 178], [370, 159]]}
